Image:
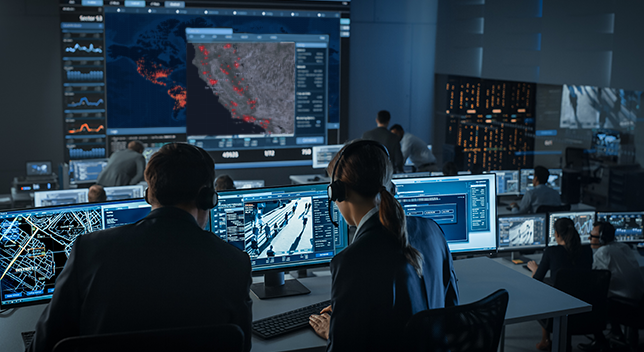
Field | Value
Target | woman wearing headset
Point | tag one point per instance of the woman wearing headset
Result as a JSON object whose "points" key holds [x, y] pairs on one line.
{"points": [[394, 267]]}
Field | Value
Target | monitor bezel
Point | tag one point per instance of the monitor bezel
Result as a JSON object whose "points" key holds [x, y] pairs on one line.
{"points": [[521, 248]]}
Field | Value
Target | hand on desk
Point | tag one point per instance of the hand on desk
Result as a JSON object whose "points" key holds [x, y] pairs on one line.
{"points": [[532, 265], [321, 323]]}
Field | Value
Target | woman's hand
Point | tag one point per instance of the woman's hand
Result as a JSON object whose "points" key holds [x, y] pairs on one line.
{"points": [[321, 322], [532, 265]]}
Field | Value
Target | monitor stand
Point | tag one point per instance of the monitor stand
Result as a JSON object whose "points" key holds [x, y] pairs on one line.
{"points": [[275, 286], [517, 258], [302, 273]]}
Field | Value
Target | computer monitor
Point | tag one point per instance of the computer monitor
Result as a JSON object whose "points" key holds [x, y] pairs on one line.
{"points": [[281, 229], [124, 192], [323, 154], [85, 171], [39, 168], [60, 197], [35, 244], [464, 206], [518, 232], [606, 144], [507, 182], [554, 180], [440, 173], [412, 175], [583, 223], [628, 225], [245, 184]]}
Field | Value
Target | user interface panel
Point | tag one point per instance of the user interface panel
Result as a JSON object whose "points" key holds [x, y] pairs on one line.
{"points": [[518, 232], [583, 223], [85, 171], [280, 227], [463, 206], [60, 197], [322, 155], [507, 182], [628, 225], [35, 244]]}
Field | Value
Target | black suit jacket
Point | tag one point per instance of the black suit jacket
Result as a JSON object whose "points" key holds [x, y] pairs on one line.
{"points": [[161, 272], [375, 291], [389, 140]]}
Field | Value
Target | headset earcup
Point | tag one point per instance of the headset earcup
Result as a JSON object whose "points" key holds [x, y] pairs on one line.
{"points": [[337, 191], [145, 196]]}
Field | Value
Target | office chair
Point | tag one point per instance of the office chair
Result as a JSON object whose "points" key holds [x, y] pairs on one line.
{"points": [[630, 314], [225, 338], [474, 327], [552, 208], [590, 286]]}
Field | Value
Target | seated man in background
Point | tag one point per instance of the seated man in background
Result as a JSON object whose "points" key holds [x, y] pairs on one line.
{"points": [[124, 167], [414, 148], [540, 195], [626, 288], [96, 193], [224, 183], [161, 272]]}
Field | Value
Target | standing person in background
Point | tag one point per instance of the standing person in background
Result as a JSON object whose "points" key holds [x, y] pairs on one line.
{"points": [[382, 135], [125, 167], [415, 149]]}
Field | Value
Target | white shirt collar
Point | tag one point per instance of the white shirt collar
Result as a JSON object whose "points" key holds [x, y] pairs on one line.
{"points": [[366, 217]]}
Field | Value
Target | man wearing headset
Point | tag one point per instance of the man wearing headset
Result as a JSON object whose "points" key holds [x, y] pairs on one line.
{"points": [[161, 272], [626, 287]]}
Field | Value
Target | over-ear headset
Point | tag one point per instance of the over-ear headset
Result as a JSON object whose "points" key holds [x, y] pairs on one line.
{"points": [[207, 197], [337, 190], [603, 238]]}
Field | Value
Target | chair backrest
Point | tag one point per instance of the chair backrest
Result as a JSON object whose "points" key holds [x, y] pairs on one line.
{"points": [[227, 337], [552, 208], [474, 327], [590, 286]]}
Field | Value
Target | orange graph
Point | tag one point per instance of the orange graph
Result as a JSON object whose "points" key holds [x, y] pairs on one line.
{"points": [[85, 128]]}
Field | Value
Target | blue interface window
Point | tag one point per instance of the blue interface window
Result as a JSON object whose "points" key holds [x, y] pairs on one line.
{"points": [[463, 206], [628, 225], [280, 227], [507, 182], [35, 244], [85, 171]]}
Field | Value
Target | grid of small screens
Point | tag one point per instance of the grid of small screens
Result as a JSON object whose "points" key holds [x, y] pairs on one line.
{"points": [[85, 171], [583, 223], [77, 196], [464, 207], [628, 225], [518, 232], [39, 168], [35, 244], [554, 180], [280, 228], [322, 155]]}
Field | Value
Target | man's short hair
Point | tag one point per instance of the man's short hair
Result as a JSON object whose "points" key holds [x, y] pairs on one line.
{"points": [[224, 183], [397, 127], [541, 174], [383, 117], [96, 193], [177, 172], [606, 231], [136, 146]]}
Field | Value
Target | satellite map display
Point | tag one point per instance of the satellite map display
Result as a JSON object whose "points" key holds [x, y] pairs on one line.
{"points": [[146, 66], [255, 83], [34, 249]]}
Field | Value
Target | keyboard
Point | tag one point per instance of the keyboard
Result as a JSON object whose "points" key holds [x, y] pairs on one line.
{"points": [[27, 336], [280, 324]]}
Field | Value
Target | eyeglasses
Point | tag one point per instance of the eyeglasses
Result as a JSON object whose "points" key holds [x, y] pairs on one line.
{"points": [[591, 236]]}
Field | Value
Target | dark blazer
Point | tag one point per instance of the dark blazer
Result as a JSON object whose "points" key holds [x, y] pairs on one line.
{"points": [[556, 258], [389, 140], [161, 272], [375, 291], [124, 167]]}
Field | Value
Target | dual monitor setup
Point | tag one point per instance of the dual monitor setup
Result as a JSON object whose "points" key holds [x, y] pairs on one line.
{"points": [[282, 229], [536, 231]]}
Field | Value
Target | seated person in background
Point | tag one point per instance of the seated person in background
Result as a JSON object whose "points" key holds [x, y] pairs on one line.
{"points": [[96, 193], [568, 253], [415, 149], [450, 169], [389, 140], [224, 183], [124, 167], [626, 282], [123, 279], [541, 194], [380, 280]]}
